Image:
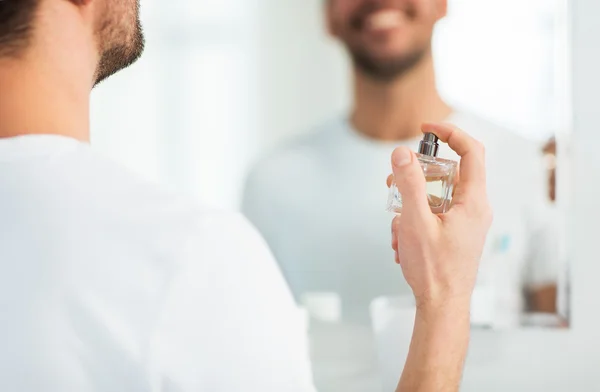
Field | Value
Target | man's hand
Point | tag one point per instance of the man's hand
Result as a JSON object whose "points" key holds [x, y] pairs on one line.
{"points": [[439, 255]]}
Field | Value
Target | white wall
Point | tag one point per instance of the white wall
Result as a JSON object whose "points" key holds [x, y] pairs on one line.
{"points": [[497, 58], [304, 75], [186, 114]]}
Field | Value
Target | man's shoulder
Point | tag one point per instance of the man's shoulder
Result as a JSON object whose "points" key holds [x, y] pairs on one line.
{"points": [[179, 215], [232, 226], [163, 213], [172, 225]]}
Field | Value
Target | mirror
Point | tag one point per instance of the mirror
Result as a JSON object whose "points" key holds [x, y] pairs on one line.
{"points": [[349, 80], [342, 77]]}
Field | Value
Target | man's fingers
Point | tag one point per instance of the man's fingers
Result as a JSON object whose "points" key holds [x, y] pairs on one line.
{"points": [[471, 151], [410, 180], [390, 179], [472, 164]]}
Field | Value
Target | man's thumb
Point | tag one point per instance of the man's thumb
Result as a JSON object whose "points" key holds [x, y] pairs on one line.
{"points": [[410, 181]]}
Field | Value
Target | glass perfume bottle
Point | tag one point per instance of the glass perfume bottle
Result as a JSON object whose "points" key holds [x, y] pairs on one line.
{"points": [[439, 174]]}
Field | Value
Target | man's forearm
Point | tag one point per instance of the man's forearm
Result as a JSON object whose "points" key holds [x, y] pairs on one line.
{"points": [[438, 349]]}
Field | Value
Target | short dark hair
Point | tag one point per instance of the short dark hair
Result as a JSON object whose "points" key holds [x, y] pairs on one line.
{"points": [[16, 20]]}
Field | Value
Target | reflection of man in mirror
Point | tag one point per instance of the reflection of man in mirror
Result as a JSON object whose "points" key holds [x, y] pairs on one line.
{"points": [[319, 201]]}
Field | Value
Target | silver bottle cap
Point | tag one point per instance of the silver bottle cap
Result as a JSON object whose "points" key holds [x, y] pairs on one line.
{"points": [[429, 145]]}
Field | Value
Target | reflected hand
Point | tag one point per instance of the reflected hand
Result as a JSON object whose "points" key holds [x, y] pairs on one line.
{"points": [[440, 254]]}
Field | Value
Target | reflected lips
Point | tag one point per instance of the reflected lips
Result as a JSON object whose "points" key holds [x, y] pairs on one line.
{"points": [[383, 20]]}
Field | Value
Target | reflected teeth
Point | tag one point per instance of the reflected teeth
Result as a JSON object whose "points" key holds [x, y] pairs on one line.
{"points": [[383, 20]]}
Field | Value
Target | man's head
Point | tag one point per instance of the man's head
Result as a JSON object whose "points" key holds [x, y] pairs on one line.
{"points": [[385, 38], [114, 28]]}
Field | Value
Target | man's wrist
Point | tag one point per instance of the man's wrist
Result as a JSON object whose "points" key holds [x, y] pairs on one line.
{"points": [[443, 308]]}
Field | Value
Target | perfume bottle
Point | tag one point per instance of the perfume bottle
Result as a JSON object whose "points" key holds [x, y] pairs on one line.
{"points": [[439, 174]]}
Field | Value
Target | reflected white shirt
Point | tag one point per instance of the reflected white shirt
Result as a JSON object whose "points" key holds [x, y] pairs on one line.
{"points": [[110, 284]]}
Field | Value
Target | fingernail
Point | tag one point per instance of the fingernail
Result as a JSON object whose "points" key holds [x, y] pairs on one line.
{"points": [[401, 157]]}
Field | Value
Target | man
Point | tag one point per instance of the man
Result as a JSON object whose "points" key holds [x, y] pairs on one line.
{"points": [[111, 284], [327, 230]]}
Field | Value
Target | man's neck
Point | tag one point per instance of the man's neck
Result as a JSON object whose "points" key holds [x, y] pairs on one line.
{"points": [[40, 97], [395, 110]]}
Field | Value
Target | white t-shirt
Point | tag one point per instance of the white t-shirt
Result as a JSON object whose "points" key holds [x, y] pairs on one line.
{"points": [[320, 203], [110, 284]]}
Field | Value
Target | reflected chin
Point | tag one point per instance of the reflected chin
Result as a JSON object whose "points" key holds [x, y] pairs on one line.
{"points": [[386, 69]]}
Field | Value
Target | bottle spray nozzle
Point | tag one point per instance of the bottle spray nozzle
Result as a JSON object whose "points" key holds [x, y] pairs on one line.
{"points": [[429, 145]]}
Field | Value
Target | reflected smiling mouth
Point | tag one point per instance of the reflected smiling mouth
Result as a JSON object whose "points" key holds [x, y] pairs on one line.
{"points": [[380, 20]]}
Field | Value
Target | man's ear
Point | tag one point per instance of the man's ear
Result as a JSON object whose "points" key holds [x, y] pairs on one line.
{"points": [[85, 7]]}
